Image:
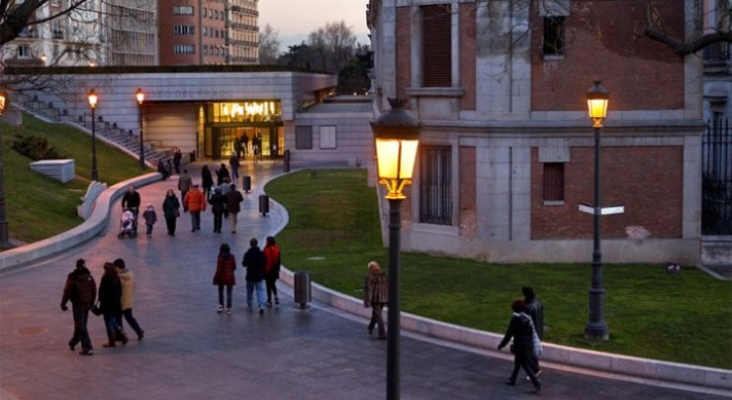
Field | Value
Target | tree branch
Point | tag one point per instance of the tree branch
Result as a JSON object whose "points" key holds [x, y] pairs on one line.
{"points": [[685, 48]]}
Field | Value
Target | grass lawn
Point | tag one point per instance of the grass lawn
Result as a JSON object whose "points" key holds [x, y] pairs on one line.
{"points": [[334, 232], [39, 207]]}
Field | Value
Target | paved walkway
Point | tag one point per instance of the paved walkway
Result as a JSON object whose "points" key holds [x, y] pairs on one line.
{"points": [[191, 352]]}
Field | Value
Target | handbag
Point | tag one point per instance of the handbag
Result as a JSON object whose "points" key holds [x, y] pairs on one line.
{"points": [[96, 310], [536, 347]]}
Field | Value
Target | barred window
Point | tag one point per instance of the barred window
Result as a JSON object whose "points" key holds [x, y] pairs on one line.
{"points": [[553, 43], [184, 49], [304, 137], [435, 185], [553, 182]]}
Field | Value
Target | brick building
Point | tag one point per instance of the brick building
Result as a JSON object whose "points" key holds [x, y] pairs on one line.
{"points": [[507, 150]]}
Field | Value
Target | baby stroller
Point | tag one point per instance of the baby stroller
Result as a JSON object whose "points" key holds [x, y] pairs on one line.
{"points": [[128, 224]]}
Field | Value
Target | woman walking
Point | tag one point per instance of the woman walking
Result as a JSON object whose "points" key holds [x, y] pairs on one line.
{"points": [[375, 295], [206, 181], [110, 295], [271, 269], [224, 277], [521, 330], [171, 211]]}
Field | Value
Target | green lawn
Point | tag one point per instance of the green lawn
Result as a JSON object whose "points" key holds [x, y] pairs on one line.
{"points": [[334, 232]]}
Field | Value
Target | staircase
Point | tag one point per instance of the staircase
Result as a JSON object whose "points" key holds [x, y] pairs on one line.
{"points": [[124, 140]]}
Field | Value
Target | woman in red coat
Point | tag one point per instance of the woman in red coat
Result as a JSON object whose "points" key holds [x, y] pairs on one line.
{"points": [[224, 277], [271, 269]]}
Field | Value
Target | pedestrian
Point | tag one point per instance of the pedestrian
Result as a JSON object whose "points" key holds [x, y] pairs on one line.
{"points": [[81, 290], [195, 202], [245, 144], [218, 206], [163, 170], [110, 297], [376, 295], [222, 173], [233, 206], [254, 263], [225, 277], [535, 310], [171, 211], [185, 182], [150, 218], [237, 147], [206, 181], [234, 165], [127, 279], [131, 200], [520, 330], [177, 156], [225, 186], [272, 264]]}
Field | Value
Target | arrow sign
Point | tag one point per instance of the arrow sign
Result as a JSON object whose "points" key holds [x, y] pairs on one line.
{"points": [[586, 208]]}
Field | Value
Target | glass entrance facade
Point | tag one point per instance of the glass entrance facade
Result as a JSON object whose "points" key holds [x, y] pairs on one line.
{"points": [[244, 128]]}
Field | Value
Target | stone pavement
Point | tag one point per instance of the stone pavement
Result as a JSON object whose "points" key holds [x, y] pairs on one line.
{"points": [[191, 352]]}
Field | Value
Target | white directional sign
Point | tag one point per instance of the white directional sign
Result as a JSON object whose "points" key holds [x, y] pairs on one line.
{"points": [[586, 208]]}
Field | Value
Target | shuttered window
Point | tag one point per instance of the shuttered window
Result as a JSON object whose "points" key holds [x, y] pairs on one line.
{"points": [[553, 43], [304, 137], [553, 182], [436, 46]]}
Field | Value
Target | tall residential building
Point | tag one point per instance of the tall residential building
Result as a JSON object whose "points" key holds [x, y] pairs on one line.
{"points": [[131, 30], [242, 32], [192, 32]]}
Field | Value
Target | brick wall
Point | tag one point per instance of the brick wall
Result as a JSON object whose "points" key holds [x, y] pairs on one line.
{"points": [[467, 56], [604, 40], [468, 186], [648, 181]]}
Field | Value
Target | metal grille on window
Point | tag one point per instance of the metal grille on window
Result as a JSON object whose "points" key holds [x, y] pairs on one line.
{"points": [[435, 182]]}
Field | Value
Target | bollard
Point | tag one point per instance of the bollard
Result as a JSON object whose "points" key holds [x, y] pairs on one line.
{"points": [[303, 290], [263, 204], [246, 181], [286, 161]]}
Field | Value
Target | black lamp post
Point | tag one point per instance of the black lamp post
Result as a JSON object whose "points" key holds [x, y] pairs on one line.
{"points": [[396, 137], [4, 233], [140, 98], [596, 328], [93, 104]]}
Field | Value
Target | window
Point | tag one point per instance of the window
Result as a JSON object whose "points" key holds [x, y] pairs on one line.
{"points": [[304, 137], [553, 44], [182, 10], [184, 49], [183, 29], [23, 51], [436, 46], [205, 50], [435, 185], [327, 137], [553, 187]]}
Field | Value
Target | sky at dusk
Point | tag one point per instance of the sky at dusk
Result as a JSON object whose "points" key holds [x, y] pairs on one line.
{"points": [[295, 19]]}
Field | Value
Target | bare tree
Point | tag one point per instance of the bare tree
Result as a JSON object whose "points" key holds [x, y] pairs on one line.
{"points": [[333, 44], [269, 45], [14, 17]]}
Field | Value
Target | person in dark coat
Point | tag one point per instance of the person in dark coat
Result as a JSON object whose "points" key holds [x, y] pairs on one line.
{"points": [[254, 263], [131, 200], [535, 310], [520, 330], [171, 211], [110, 301], [233, 205], [163, 170], [222, 173], [234, 165], [218, 207], [376, 295], [206, 181], [225, 277], [81, 290], [177, 157]]}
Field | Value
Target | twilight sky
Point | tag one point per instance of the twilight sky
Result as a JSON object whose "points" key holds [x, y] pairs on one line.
{"points": [[295, 19]]}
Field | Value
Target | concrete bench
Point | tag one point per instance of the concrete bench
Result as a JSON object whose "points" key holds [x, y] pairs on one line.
{"points": [[61, 170], [87, 201]]}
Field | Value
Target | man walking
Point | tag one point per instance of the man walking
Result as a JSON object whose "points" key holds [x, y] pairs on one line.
{"points": [[254, 263], [184, 185], [233, 205], [81, 290], [127, 279], [195, 201]]}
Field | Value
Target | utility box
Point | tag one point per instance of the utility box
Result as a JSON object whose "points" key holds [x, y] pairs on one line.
{"points": [[303, 289], [263, 204]]}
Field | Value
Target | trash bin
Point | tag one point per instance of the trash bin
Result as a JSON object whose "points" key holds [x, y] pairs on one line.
{"points": [[246, 182], [192, 156], [263, 204], [302, 288], [286, 161]]}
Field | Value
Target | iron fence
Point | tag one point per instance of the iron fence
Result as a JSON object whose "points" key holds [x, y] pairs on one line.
{"points": [[717, 179]]}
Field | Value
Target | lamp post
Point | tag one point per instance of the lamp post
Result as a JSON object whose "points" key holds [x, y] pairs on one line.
{"points": [[140, 98], [596, 328], [396, 137], [4, 234], [93, 104]]}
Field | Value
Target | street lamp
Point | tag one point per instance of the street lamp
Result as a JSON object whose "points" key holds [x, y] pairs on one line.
{"points": [[396, 138], [93, 104], [140, 98], [4, 234], [596, 328]]}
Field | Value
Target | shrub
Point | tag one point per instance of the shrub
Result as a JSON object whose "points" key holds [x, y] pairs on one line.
{"points": [[35, 148]]}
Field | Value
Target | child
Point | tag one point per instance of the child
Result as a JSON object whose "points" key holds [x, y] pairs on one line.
{"points": [[150, 218]]}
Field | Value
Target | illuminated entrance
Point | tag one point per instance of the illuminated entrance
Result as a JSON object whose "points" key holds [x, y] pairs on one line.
{"points": [[232, 126]]}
